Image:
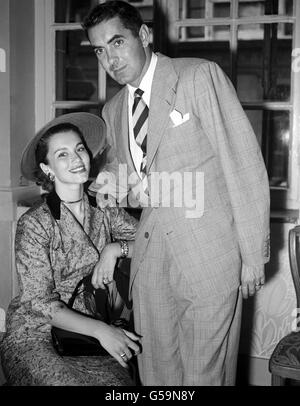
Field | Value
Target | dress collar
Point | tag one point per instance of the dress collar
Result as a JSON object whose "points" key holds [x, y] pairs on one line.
{"points": [[54, 203]]}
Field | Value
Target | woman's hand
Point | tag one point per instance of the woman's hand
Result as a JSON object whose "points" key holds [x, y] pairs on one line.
{"points": [[104, 270], [252, 279], [120, 343]]}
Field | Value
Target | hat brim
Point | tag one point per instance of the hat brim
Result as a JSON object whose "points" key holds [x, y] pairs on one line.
{"points": [[91, 126]]}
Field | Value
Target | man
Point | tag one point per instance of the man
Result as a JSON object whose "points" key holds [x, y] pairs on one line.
{"points": [[189, 267]]}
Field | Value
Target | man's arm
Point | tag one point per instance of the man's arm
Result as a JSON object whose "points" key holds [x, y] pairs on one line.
{"points": [[234, 142], [107, 188]]}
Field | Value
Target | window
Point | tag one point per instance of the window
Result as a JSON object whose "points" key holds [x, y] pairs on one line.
{"points": [[75, 80], [253, 42]]}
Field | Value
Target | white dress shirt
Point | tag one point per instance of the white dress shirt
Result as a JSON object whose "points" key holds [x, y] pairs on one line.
{"points": [[145, 85]]}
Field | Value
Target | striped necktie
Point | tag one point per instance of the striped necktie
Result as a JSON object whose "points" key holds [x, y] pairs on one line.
{"points": [[140, 113]]}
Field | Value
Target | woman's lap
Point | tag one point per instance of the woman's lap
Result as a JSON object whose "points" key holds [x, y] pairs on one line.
{"points": [[34, 362]]}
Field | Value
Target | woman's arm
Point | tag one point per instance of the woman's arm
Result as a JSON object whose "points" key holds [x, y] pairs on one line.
{"points": [[38, 291], [115, 340], [122, 227], [104, 269]]}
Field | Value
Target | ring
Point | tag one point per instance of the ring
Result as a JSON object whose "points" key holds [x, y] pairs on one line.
{"points": [[105, 279], [123, 355], [257, 284]]}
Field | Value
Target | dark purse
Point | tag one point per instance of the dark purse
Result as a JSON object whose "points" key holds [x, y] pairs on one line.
{"points": [[68, 343]]}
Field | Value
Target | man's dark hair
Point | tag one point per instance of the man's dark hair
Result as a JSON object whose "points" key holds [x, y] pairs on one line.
{"points": [[129, 16]]}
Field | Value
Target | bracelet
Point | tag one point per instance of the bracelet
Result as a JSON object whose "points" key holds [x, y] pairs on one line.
{"points": [[124, 248]]}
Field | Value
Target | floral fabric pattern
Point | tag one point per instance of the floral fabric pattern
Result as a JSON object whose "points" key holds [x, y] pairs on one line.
{"points": [[53, 252]]}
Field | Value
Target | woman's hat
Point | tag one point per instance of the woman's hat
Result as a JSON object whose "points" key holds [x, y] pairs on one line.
{"points": [[93, 130]]}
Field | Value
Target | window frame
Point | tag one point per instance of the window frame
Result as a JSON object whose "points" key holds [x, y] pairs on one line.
{"points": [[281, 197], [45, 75], [46, 29]]}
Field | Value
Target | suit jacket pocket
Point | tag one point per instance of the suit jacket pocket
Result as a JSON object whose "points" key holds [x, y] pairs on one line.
{"points": [[184, 146]]}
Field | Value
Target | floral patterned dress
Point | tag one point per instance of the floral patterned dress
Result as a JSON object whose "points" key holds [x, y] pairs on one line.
{"points": [[53, 252]]}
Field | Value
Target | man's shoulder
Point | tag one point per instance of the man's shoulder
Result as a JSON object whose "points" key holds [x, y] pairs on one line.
{"points": [[186, 67], [117, 98], [190, 65], [186, 62]]}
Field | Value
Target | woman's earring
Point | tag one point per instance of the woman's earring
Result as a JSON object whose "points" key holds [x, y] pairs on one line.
{"points": [[51, 177]]}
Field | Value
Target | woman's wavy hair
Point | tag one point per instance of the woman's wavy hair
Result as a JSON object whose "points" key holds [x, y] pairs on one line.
{"points": [[42, 149]]}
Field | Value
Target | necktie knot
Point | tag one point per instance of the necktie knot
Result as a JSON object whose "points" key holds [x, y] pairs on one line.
{"points": [[138, 93], [137, 99]]}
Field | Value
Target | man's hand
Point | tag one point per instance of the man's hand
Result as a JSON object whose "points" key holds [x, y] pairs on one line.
{"points": [[105, 200], [109, 189], [252, 279]]}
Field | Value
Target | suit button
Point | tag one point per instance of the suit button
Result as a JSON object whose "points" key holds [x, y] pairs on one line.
{"points": [[146, 235]]}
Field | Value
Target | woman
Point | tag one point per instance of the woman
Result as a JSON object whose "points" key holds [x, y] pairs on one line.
{"points": [[58, 242]]}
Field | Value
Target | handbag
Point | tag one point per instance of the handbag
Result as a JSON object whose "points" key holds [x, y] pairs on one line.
{"points": [[68, 343]]}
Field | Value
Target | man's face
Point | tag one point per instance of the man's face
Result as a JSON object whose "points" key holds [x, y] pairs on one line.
{"points": [[122, 55]]}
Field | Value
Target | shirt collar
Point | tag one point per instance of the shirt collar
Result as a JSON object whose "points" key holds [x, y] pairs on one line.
{"points": [[146, 82]]}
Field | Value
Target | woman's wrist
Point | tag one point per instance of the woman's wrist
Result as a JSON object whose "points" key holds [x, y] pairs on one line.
{"points": [[118, 251], [124, 246], [114, 248]]}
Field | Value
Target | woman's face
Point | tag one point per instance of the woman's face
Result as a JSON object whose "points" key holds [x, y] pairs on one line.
{"points": [[68, 159]]}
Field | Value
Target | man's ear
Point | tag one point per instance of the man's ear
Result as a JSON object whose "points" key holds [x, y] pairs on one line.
{"points": [[144, 35]]}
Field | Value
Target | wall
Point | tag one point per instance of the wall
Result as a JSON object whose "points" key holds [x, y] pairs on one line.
{"points": [[268, 316], [4, 98], [16, 126]]}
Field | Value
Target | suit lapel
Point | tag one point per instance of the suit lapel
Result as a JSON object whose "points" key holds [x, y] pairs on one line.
{"points": [[163, 94], [122, 134], [162, 101]]}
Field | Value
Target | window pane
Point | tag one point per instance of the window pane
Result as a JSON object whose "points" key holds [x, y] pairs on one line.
{"points": [[265, 7], [202, 9], [276, 124], [214, 46], [145, 8], [256, 119], [272, 129], [191, 9], [88, 109], [264, 62], [205, 33], [76, 67], [72, 11], [221, 9]]}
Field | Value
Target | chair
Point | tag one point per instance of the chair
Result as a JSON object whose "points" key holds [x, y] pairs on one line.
{"points": [[285, 359]]}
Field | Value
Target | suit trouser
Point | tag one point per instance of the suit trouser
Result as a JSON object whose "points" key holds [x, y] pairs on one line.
{"points": [[186, 339]]}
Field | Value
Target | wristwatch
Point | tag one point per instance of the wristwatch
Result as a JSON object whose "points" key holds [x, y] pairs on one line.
{"points": [[124, 248]]}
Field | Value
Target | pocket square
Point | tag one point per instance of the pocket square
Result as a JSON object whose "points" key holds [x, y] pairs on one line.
{"points": [[178, 119]]}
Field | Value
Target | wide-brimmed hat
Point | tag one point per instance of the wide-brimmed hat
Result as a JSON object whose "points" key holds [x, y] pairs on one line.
{"points": [[93, 130]]}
